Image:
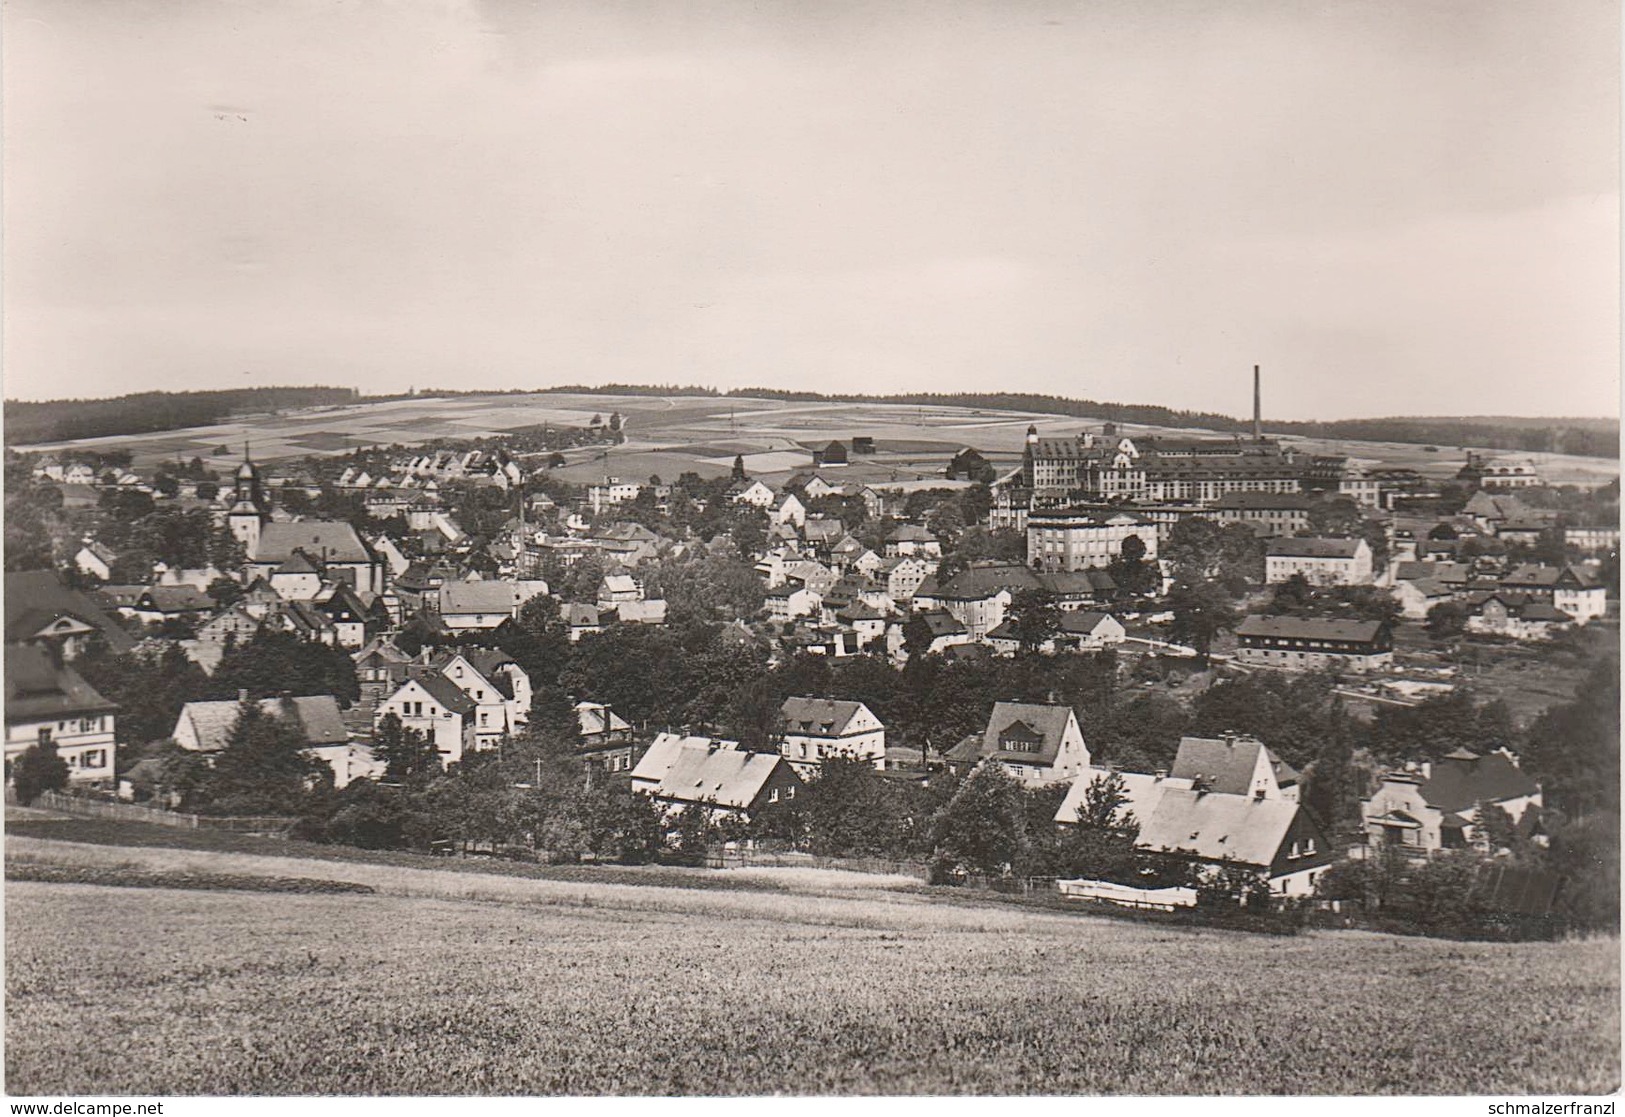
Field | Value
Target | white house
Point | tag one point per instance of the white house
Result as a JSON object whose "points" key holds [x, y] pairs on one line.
{"points": [[1433, 807], [816, 729], [1322, 561], [1182, 817], [1039, 744], [95, 559], [48, 701], [753, 493], [678, 771], [433, 705], [788, 602]]}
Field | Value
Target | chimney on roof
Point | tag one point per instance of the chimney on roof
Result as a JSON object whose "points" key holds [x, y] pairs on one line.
{"points": [[242, 694], [1258, 407]]}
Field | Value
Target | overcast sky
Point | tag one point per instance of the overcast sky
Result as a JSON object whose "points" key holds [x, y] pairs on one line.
{"points": [[1394, 207]]}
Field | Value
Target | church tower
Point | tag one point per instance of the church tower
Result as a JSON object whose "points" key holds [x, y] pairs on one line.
{"points": [[248, 508]]}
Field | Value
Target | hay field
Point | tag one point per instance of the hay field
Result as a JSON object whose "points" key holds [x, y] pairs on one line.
{"points": [[491, 985]]}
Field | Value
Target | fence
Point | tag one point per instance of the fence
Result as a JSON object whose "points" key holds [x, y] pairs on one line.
{"points": [[272, 825], [757, 858]]}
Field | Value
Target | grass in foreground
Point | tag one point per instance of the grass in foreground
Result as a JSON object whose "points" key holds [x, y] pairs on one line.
{"points": [[138, 991]]}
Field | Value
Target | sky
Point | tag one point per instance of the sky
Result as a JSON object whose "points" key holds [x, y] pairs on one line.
{"points": [[1404, 207]]}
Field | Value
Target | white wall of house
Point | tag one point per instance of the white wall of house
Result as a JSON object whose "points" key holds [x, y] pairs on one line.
{"points": [[86, 743], [419, 710]]}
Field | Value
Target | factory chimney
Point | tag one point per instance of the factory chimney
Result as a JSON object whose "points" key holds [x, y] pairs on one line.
{"points": [[1258, 408]]}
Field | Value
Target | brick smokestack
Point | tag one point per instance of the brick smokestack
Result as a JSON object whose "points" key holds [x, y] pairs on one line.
{"points": [[1258, 407]]}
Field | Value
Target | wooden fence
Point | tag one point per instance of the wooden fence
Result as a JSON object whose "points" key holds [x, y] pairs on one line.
{"points": [[273, 825]]}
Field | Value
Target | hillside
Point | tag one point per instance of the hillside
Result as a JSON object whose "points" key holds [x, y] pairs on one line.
{"points": [[791, 982]]}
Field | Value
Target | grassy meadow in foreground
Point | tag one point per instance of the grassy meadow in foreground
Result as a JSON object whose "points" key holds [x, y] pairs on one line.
{"points": [[149, 991]]}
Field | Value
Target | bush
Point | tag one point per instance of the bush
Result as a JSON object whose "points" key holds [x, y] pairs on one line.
{"points": [[38, 770]]}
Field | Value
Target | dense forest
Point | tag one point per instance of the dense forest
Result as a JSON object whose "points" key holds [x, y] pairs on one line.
{"points": [[143, 412]]}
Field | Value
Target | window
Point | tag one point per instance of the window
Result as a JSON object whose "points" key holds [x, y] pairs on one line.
{"points": [[45, 734], [93, 758], [1308, 846], [790, 793], [773, 795]]}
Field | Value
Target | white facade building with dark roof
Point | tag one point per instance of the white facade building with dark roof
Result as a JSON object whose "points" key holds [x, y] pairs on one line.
{"points": [[816, 729]]}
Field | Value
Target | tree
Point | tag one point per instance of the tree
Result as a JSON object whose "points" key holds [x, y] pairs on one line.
{"points": [[1201, 611], [263, 768], [1100, 844], [225, 592], [408, 754], [1034, 618], [917, 637], [982, 829], [1446, 620], [1134, 575], [739, 473], [39, 769], [852, 811]]}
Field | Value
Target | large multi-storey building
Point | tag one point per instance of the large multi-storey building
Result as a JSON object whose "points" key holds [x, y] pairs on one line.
{"points": [[1076, 539], [1112, 466]]}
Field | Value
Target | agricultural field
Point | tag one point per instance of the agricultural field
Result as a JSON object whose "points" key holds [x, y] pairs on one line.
{"points": [[670, 435], [814, 982]]}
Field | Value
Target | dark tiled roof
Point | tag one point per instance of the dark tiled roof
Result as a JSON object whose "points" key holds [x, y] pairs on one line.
{"points": [[37, 688], [36, 598], [1459, 784], [1309, 628]]}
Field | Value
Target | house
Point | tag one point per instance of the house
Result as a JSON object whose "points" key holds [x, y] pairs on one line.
{"points": [[155, 604], [788, 510], [1499, 472], [680, 771], [1267, 513], [1314, 644], [1434, 807], [434, 706], [1235, 764], [641, 612], [479, 606], [349, 614], [618, 588], [494, 681], [863, 620], [1572, 589], [612, 492], [832, 455], [753, 493], [817, 729], [1039, 744], [1321, 561], [1594, 539], [912, 539], [1417, 597], [380, 666], [606, 737], [580, 620], [96, 560], [1499, 613], [946, 631], [47, 701], [789, 601], [298, 579], [1074, 539], [901, 576], [342, 554], [39, 610], [1180, 817], [206, 727], [1081, 630]]}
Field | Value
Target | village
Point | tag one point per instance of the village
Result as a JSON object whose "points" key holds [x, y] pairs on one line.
{"points": [[862, 657]]}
